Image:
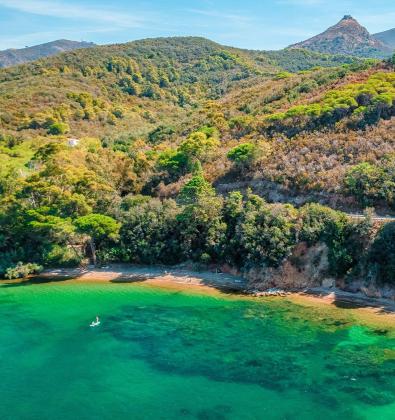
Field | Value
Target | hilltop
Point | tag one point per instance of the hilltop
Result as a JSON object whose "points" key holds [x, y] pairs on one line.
{"points": [[12, 57], [347, 37]]}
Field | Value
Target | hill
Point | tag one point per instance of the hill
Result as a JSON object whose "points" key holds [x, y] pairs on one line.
{"points": [[141, 143], [386, 37], [135, 87], [12, 57], [145, 98], [347, 37]]}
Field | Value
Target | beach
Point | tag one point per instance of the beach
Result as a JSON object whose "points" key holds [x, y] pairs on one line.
{"points": [[370, 311]]}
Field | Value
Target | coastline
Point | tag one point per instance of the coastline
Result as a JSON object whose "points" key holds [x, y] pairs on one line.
{"points": [[370, 311]]}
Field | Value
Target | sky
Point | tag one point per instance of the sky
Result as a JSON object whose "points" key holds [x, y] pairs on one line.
{"points": [[249, 24]]}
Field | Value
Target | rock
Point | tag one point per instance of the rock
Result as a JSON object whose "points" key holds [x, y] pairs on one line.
{"points": [[328, 282]]}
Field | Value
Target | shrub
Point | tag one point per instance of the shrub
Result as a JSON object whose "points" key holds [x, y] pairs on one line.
{"points": [[198, 145], [201, 229], [194, 189], [266, 233], [148, 233], [369, 183], [173, 161], [21, 270], [382, 253], [58, 128], [317, 222], [62, 256], [243, 154]]}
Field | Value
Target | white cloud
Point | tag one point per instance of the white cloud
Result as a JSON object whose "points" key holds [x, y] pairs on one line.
{"points": [[66, 10]]}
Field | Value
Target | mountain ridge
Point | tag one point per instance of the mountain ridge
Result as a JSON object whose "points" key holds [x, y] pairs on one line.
{"points": [[387, 37], [14, 56]]}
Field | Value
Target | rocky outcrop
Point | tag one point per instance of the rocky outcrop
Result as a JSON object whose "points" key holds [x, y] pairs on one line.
{"points": [[306, 267]]}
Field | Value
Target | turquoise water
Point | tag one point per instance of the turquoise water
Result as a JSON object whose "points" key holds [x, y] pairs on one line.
{"points": [[162, 354]]}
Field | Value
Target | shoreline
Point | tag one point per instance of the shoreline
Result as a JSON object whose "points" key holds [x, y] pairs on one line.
{"points": [[377, 312]]}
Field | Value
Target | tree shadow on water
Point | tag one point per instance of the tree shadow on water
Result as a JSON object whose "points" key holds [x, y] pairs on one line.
{"points": [[125, 274], [220, 281], [56, 276]]}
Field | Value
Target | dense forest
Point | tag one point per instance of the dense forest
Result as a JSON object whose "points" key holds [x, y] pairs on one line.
{"points": [[158, 151]]}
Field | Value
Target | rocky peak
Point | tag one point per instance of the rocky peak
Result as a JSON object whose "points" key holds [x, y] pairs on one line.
{"points": [[348, 36]]}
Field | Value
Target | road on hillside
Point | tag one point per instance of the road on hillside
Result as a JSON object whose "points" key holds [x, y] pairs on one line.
{"points": [[384, 219]]}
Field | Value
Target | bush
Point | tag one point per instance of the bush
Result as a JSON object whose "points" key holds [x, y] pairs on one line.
{"points": [[369, 183], [243, 154], [201, 229], [318, 222], [364, 182], [173, 161], [62, 256], [382, 253], [198, 145], [21, 270], [58, 128], [194, 189], [148, 233], [267, 233]]}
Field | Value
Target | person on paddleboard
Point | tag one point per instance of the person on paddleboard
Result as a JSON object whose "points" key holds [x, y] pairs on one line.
{"points": [[95, 323]]}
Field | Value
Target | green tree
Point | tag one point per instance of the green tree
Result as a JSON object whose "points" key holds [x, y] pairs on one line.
{"points": [[244, 154], [201, 229], [317, 222], [174, 162], [364, 181], [267, 233], [149, 231], [232, 213], [53, 229], [195, 189], [98, 229], [58, 128], [382, 253], [198, 146]]}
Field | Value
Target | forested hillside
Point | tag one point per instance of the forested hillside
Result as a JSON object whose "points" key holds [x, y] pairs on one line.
{"points": [[124, 153], [135, 86]]}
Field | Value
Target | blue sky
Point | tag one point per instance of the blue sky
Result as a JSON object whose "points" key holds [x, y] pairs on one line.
{"points": [[249, 23]]}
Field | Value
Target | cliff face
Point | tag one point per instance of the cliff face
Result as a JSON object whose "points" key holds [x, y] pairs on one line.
{"points": [[308, 268], [346, 37]]}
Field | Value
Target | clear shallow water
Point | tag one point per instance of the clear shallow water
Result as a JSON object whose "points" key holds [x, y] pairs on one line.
{"points": [[170, 355]]}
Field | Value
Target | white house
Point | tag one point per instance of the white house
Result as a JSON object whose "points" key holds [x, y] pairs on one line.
{"points": [[73, 142]]}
